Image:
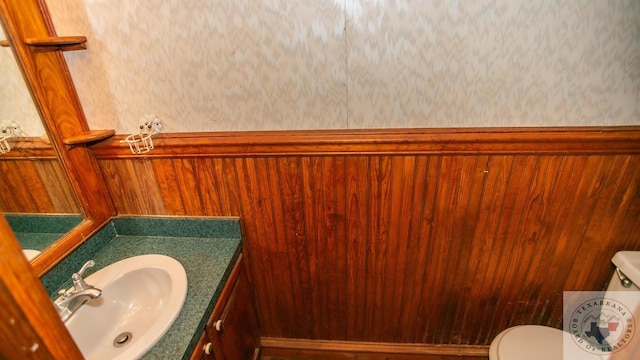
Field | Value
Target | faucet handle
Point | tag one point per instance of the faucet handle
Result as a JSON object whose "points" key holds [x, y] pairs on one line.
{"points": [[78, 282], [63, 293], [84, 267]]}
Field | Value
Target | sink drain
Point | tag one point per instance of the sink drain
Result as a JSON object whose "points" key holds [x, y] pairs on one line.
{"points": [[122, 339]]}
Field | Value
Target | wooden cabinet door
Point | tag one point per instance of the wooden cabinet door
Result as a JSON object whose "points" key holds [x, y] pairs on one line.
{"points": [[199, 353], [235, 333]]}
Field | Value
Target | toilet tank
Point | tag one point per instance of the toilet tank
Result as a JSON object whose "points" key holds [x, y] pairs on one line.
{"points": [[628, 262]]}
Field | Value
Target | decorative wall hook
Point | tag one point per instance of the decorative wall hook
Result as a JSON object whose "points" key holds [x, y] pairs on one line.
{"points": [[6, 131], [4, 145], [142, 142]]}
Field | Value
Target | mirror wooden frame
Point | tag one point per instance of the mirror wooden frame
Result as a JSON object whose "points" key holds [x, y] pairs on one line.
{"points": [[38, 51], [29, 325]]}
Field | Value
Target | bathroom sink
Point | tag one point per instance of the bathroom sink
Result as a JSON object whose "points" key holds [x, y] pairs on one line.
{"points": [[141, 297], [30, 254]]}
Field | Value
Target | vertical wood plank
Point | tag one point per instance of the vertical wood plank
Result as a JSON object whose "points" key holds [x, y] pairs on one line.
{"points": [[57, 186], [133, 186], [485, 276], [515, 249], [316, 243], [186, 178], [23, 188], [357, 197], [562, 251], [168, 184], [471, 190], [625, 225], [426, 281], [257, 206], [281, 261], [608, 184], [208, 187], [293, 222], [380, 178]]}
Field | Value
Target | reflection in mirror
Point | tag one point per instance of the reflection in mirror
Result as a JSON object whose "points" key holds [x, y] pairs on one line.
{"points": [[35, 193], [36, 232], [15, 101]]}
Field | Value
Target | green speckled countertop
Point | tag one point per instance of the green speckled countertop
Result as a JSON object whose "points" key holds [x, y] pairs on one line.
{"points": [[37, 231], [206, 247]]}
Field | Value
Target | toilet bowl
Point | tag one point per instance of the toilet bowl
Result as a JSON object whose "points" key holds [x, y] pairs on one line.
{"points": [[523, 343], [534, 342]]}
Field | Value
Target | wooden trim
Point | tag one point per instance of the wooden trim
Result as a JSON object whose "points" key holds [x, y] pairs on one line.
{"points": [[198, 351], [29, 148], [374, 347], [226, 291], [27, 333], [65, 246], [294, 354], [568, 140]]}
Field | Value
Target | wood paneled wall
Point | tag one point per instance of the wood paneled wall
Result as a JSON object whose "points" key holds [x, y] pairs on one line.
{"points": [[436, 237], [34, 181]]}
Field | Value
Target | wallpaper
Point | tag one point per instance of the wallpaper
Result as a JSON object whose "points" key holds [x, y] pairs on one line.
{"points": [[204, 65], [16, 104]]}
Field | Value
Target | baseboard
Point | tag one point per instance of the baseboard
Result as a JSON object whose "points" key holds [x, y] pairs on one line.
{"points": [[282, 348]]}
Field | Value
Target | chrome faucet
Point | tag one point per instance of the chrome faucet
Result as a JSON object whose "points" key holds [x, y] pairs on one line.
{"points": [[71, 299]]}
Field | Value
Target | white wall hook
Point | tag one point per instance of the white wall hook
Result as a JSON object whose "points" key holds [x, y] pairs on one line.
{"points": [[142, 142], [7, 130], [151, 125]]}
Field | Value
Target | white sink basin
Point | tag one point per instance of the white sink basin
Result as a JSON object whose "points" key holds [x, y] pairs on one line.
{"points": [[30, 254], [141, 297]]}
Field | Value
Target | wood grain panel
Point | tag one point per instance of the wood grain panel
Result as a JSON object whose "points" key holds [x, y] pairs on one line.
{"points": [[57, 186], [446, 248], [132, 185], [285, 349], [35, 186]]}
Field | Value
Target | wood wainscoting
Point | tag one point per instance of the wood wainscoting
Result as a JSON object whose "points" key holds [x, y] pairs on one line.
{"points": [[34, 181], [441, 237], [295, 349]]}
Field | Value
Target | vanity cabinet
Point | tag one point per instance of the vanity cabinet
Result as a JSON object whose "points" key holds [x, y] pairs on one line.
{"points": [[232, 332]]}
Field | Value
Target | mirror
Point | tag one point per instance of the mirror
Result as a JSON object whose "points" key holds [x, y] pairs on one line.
{"points": [[15, 100], [35, 194], [37, 51]]}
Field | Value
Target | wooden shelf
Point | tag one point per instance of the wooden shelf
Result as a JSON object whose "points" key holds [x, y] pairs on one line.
{"points": [[89, 136], [54, 43]]}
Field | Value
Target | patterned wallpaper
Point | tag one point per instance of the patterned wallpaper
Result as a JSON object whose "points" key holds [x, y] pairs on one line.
{"points": [[205, 65], [16, 104]]}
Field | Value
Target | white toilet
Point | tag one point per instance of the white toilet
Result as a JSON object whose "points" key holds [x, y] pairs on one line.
{"points": [[535, 342]]}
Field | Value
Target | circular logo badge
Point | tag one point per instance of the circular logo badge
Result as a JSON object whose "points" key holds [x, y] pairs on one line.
{"points": [[602, 326]]}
